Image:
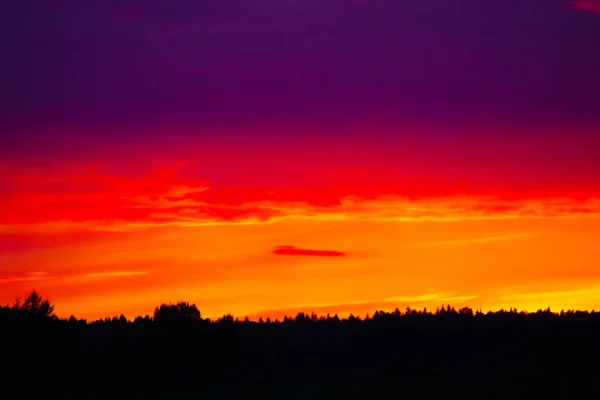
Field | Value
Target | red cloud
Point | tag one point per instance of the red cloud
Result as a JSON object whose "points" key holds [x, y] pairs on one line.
{"points": [[96, 198], [591, 5], [293, 251]]}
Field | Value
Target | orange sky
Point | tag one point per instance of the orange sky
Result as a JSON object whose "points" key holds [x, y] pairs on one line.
{"points": [[100, 245]]}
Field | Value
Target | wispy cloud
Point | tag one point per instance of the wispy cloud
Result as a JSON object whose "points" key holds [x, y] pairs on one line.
{"points": [[479, 240], [380, 209], [109, 202], [36, 276], [30, 276], [427, 298], [115, 274]]}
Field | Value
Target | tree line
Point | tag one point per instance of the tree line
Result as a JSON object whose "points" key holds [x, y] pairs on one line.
{"points": [[36, 307], [176, 346]]}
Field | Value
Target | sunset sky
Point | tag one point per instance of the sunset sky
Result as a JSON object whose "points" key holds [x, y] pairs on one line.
{"points": [[265, 157]]}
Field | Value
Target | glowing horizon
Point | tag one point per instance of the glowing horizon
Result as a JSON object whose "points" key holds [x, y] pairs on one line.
{"points": [[100, 243]]}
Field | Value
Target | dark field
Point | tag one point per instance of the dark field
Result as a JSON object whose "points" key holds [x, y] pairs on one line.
{"points": [[501, 387]]}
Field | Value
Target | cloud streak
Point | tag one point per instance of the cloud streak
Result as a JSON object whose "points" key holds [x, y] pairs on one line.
{"points": [[115, 274], [294, 251], [27, 277], [479, 240]]}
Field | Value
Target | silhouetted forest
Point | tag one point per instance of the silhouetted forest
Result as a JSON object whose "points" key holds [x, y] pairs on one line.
{"points": [[411, 352]]}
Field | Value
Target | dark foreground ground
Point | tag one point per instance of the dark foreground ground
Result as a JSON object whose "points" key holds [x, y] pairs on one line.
{"points": [[349, 388], [446, 355]]}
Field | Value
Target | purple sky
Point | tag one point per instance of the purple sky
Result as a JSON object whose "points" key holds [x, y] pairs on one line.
{"points": [[140, 63]]}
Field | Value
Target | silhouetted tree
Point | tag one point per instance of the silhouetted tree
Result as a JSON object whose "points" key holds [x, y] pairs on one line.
{"points": [[146, 320], [301, 318], [466, 311], [181, 311], [34, 305], [353, 319], [226, 319]]}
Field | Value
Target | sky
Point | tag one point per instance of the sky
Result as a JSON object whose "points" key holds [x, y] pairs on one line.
{"points": [[267, 157]]}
